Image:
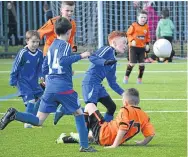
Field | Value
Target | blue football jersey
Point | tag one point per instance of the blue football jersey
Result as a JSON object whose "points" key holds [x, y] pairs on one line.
{"points": [[27, 67], [98, 71], [57, 67]]}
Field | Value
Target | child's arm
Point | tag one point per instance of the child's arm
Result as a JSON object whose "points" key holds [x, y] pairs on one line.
{"points": [[130, 38], [15, 69], [158, 31], [145, 141], [148, 132], [172, 26], [129, 33], [118, 139], [48, 27], [111, 78]]}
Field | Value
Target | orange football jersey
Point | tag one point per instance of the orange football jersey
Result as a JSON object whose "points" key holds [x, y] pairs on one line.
{"points": [[138, 33], [48, 30], [130, 118]]}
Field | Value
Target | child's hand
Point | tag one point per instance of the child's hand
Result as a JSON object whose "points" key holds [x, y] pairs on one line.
{"points": [[133, 43], [85, 54], [41, 79], [147, 48]]}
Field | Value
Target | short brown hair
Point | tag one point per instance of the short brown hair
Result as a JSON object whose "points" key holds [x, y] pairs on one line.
{"points": [[70, 3], [32, 33], [142, 12], [115, 34]]}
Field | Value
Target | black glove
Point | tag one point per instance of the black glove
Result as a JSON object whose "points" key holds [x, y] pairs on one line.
{"points": [[110, 62]]}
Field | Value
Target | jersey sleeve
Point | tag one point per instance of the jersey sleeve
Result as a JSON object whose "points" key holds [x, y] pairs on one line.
{"points": [[158, 30], [130, 31], [45, 67], [66, 57], [123, 120], [97, 60], [40, 74], [111, 78], [15, 68], [147, 36], [47, 28], [172, 25], [73, 32], [148, 129], [99, 57]]}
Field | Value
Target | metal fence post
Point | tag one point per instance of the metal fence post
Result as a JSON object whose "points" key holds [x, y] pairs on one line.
{"points": [[6, 26]]}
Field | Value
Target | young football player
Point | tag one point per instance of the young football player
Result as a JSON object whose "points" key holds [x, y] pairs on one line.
{"points": [[103, 65], [67, 10], [165, 29], [26, 71], [57, 67], [128, 123], [138, 38]]}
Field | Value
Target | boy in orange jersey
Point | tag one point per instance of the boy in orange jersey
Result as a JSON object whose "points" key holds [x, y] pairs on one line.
{"points": [[139, 38], [67, 10], [129, 122]]}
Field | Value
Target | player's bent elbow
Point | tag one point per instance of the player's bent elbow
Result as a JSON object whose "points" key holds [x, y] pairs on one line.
{"points": [[148, 139]]}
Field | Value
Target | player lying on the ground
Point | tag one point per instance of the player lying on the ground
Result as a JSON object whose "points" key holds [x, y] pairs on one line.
{"points": [[129, 122]]}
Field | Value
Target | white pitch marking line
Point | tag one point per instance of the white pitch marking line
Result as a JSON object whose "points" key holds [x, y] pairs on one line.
{"points": [[119, 71], [145, 111], [167, 99]]}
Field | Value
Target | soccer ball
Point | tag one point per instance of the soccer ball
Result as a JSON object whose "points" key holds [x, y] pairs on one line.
{"points": [[162, 48]]}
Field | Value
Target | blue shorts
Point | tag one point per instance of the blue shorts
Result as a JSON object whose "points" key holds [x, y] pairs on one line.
{"points": [[50, 102], [91, 93]]}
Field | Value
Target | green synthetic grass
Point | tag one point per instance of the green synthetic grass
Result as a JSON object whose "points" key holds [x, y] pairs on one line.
{"points": [[163, 95]]}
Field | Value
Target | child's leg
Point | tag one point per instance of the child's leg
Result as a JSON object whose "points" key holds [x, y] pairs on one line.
{"points": [[141, 71], [141, 55], [30, 106], [132, 62], [81, 128], [30, 118], [36, 106], [110, 106], [13, 114]]}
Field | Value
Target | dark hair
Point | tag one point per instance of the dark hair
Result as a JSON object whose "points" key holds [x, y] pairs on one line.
{"points": [[62, 25], [142, 12], [165, 13]]}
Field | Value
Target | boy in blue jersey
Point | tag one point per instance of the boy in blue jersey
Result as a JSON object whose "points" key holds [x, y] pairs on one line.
{"points": [[57, 67], [26, 71], [103, 66]]}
